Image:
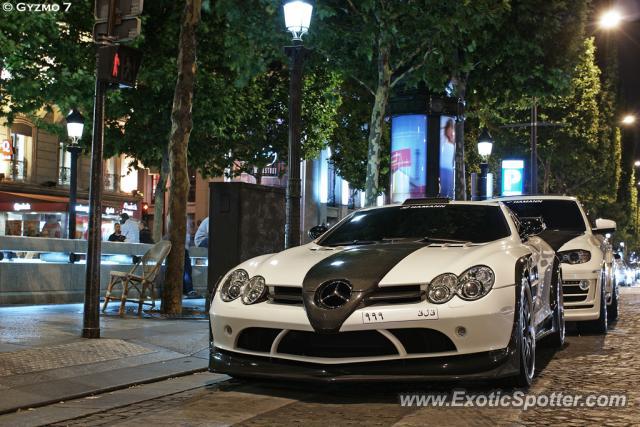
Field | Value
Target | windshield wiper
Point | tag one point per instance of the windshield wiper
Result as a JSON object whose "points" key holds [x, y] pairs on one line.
{"points": [[442, 240]]}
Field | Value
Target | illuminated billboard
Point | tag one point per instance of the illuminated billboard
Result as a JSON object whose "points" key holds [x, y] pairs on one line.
{"points": [[512, 177], [408, 157], [447, 157]]}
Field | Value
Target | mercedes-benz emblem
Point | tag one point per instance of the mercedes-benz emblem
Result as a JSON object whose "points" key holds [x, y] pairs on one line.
{"points": [[333, 294]]}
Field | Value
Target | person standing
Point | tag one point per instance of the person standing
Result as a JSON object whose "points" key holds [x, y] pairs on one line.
{"points": [[145, 232], [129, 229], [201, 238]]}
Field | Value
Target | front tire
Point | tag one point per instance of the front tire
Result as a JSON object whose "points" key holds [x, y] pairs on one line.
{"points": [[556, 339], [526, 339], [612, 309], [599, 325]]}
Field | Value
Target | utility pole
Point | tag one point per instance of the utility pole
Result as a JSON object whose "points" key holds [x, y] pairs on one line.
{"points": [[533, 181], [533, 126], [116, 21]]}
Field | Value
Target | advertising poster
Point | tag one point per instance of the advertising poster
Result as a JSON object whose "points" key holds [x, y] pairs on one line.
{"points": [[408, 157], [512, 177], [447, 156]]}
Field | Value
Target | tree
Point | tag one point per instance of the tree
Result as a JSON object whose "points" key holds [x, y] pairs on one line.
{"points": [[47, 60], [181, 125], [349, 141], [391, 43]]}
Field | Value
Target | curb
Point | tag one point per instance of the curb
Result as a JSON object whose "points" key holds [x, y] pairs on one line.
{"points": [[102, 390]]}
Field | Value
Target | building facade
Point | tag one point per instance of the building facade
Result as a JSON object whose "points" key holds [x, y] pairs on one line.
{"points": [[35, 178]]}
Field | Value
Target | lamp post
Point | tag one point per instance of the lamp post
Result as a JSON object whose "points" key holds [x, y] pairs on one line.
{"points": [[75, 126], [297, 17], [485, 145]]}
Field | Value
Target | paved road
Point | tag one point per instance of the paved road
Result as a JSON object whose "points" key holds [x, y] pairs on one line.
{"points": [[588, 364]]}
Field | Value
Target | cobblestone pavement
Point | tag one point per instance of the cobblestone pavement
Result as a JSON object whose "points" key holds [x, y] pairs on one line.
{"points": [[588, 364], [59, 356]]}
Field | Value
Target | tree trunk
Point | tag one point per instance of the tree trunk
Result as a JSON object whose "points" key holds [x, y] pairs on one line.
{"points": [[158, 197], [461, 176], [181, 125], [375, 125]]}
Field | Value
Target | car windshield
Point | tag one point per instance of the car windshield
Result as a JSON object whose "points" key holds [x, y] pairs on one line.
{"points": [[557, 214], [442, 223]]}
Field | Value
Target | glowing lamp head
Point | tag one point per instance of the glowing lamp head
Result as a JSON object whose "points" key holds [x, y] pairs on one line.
{"points": [[485, 143], [610, 19], [75, 124], [297, 17]]}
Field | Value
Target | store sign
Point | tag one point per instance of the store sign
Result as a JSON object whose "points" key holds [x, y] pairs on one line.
{"points": [[82, 208], [6, 150], [130, 206], [21, 206], [512, 177]]}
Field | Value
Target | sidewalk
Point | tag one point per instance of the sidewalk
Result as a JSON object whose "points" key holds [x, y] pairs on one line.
{"points": [[43, 359]]}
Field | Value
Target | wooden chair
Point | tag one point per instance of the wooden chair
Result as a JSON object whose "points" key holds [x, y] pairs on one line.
{"points": [[140, 277]]}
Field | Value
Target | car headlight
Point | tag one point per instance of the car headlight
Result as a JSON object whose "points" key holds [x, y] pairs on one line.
{"points": [[254, 291], [442, 288], [232, 287], [577, 256], [475, 282]]}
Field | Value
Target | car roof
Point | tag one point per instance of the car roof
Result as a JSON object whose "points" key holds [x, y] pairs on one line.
{"points": [[540, 197]]}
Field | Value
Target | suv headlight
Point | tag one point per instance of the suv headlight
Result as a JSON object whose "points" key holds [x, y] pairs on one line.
{"points": [[232, 287], [473, 284], [254, 291], [577, 256]]}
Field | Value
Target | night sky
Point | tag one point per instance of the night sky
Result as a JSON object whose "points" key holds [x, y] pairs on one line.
{"points": [[627, 38]]}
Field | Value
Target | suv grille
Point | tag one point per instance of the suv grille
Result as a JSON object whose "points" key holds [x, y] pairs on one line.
{"points": [[572, 292]]}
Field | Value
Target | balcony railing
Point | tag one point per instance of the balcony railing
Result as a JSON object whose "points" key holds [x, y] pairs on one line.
{"points": [[64, 176], [18, 170], [110, 181]]}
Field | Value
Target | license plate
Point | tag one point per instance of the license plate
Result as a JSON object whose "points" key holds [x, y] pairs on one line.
{"points": [[377, 316]]}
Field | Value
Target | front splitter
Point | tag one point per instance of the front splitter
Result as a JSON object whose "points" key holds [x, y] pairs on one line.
{"points": [[478, 366]]}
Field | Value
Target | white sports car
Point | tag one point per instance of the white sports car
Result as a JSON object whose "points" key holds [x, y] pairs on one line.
{"points": [[590, 288], [430, 289]]}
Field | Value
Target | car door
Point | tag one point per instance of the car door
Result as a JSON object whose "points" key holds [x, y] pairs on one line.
{"points": [[541, 277]]}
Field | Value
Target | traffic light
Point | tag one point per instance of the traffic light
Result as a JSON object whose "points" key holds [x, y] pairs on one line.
{"points": [[117, 20], [119, 64]]}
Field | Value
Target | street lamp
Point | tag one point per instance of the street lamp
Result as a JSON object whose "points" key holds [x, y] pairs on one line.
{"points": [[485, 146], [610, 19], [629, 119], [75, 126], [297, 18]]}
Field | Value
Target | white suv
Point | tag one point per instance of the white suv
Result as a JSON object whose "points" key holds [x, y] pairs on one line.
{"points": [[585, 253]]}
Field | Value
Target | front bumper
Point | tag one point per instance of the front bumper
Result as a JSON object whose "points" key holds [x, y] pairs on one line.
{"points": [[480, 366], [581, 305], [482, 352]]}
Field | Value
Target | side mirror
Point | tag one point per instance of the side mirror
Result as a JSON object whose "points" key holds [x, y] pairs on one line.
{"points": [[531, 226], [317, 231], [604, 226]]}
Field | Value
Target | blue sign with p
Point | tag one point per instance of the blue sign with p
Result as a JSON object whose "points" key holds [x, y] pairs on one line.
{"points": [[512, 177]]}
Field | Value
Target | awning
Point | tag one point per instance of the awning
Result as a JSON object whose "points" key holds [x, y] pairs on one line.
{"points": [[7, 196]]}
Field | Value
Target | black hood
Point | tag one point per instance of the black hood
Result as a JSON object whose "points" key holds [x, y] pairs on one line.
{"points": [[557, 238], [362, 267]]}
